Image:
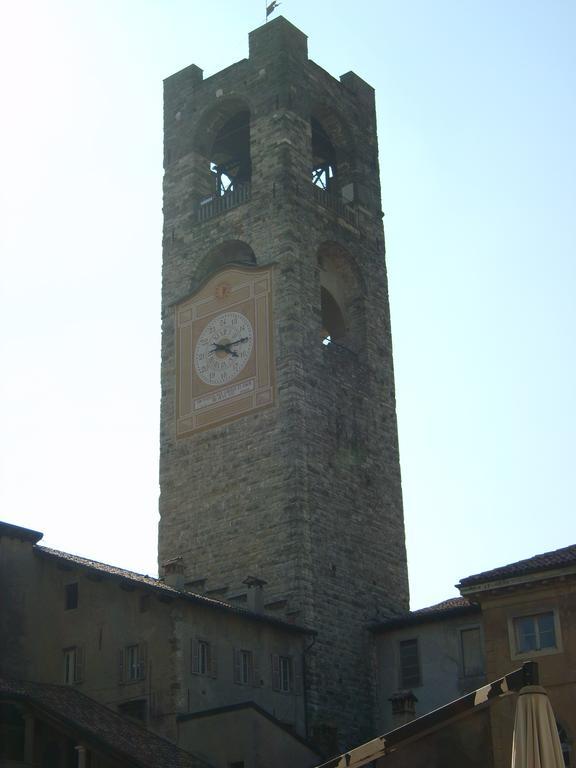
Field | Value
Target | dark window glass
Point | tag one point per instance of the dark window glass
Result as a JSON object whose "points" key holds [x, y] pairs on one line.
{"points": [[71, 596], [535, 633]]}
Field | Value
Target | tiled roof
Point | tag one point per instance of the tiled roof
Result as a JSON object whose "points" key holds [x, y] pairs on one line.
{"points": [[452, 607], [558, 558], [161, 587], [17, 532], [101, 727]]}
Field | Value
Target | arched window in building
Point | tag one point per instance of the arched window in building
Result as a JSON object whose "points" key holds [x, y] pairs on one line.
{"points": [[222, 166], [341, 298], [229, 252]]}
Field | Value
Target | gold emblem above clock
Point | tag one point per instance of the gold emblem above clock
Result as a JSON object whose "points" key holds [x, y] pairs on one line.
{"points": [[224, 349]]}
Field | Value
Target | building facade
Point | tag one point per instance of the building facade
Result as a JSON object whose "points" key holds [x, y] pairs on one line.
{"points": [[436, 654], [159, 655], [529, 613], [279, 447]]}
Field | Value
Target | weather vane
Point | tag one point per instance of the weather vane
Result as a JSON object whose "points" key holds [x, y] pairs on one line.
{"points": [[271, 7]]}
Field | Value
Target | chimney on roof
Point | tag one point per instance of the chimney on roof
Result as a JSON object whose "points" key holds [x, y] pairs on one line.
{"points": [[403, 707], [255, 595], [174, 573]]}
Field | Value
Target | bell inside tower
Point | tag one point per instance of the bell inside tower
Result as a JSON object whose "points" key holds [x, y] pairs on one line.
{"points": [[230, 157]]}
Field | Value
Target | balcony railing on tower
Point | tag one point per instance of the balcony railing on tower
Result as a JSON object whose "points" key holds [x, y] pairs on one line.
{"points": [[217, 204], [335, 204]]}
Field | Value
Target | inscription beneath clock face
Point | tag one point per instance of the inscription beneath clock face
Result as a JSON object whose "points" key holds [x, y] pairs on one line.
{"points": [[223, 348]]}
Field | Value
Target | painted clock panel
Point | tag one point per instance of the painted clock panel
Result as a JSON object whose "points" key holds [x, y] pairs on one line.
{"points": [[224, 356]]}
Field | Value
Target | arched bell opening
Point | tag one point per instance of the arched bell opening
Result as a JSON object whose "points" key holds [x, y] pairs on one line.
{"points": [[229, 252], [341, 298], [332, 149], [333, 323], [230, 161], [222, 159], [323, 157]]}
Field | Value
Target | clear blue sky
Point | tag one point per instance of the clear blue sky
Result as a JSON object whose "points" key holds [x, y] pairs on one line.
{"points": [[477, 126]]}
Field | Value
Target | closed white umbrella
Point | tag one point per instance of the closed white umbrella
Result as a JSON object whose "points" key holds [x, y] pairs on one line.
{"points": [[535, 743]]}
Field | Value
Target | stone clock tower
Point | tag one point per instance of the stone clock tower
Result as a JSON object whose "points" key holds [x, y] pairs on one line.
{"points": [[279, 447]]}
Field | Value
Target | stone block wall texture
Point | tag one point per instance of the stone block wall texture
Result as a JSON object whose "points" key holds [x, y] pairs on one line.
{"points": [[307, 494]]}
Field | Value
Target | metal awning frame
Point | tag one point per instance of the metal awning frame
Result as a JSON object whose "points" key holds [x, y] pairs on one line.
{"points": [[437, 719]]}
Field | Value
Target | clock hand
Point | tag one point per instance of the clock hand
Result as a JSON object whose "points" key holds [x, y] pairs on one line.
{"points": [[224, 348], [238, 341]]}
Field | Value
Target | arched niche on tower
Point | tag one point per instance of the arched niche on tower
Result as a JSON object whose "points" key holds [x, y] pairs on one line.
{"points": [[229, 252], [222, 148], [341, 297], [332, 150]]}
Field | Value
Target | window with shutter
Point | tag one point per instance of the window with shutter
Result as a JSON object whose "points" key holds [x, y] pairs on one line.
{"points": [[132, 663], [255, 675], [246, 672], [73, 665], [213, 671], [236, 665], [409, 664], [194, 657], [286, 676], [275, 660], [471, 649], [203, 657]]}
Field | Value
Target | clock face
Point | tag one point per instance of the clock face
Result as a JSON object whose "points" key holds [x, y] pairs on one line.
{"points": [[223, 348]]}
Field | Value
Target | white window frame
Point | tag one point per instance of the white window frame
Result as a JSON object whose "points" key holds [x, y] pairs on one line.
{"points": [[534, 612], [73, 663], [133, 663]]}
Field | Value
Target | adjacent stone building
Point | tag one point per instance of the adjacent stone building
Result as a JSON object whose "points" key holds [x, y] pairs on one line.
{"points": [[154, 652], [529, 613], [524, 611]]}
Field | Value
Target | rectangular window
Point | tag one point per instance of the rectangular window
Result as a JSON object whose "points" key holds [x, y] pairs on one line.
{"points": [[409, 664], [133, 663], [71, 596], [471, 650], [535, 633], [282, 673], [245, 668], [203, 656], [73, 665]]}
